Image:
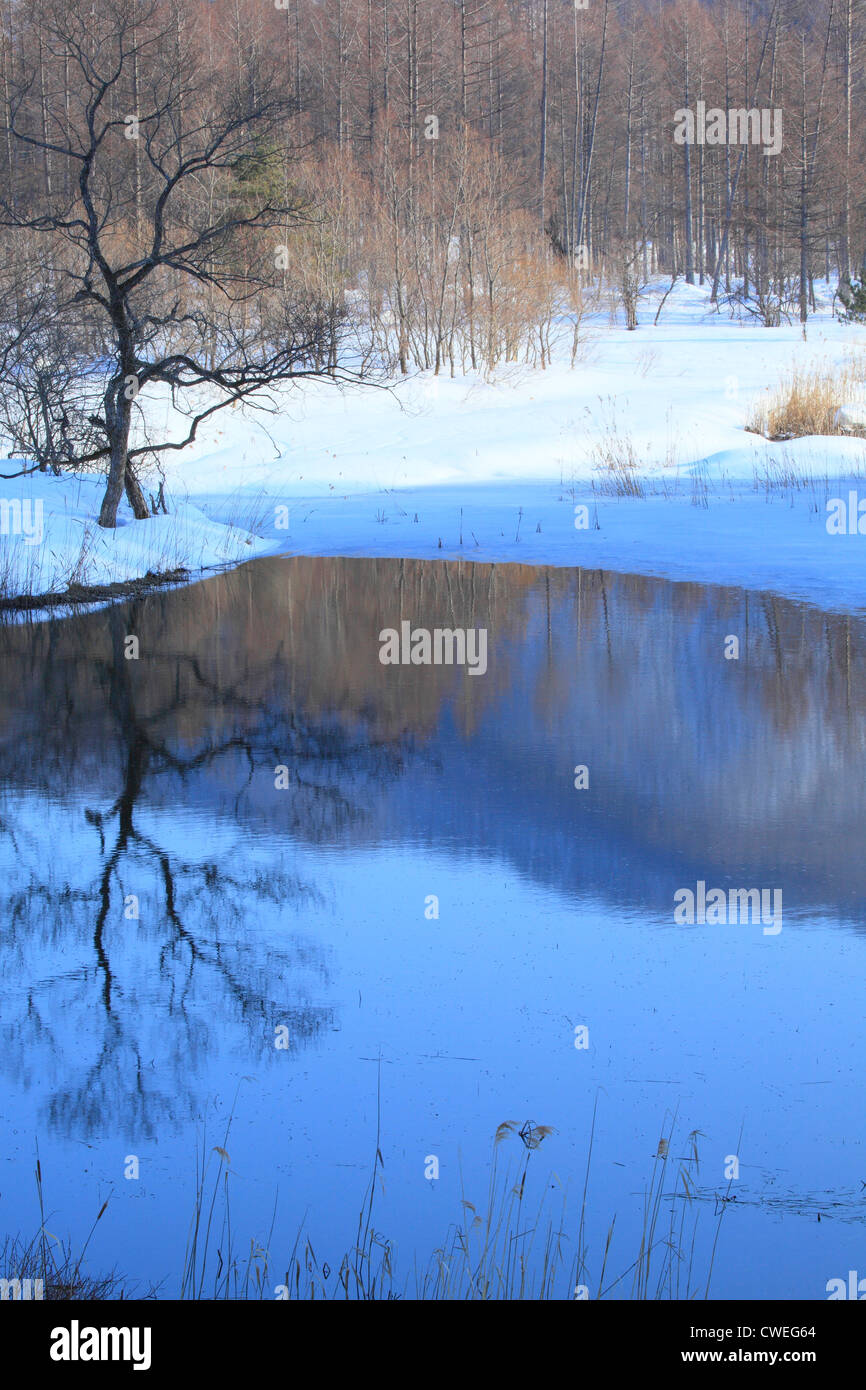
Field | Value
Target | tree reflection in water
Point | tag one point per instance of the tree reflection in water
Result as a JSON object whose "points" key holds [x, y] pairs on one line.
{"points": [[155, 778]]}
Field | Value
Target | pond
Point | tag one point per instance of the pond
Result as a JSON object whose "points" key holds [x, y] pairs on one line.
{"points": [[365, 912]]}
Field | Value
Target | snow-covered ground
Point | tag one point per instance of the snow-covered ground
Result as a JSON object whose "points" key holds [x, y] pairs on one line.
{"points": [[498, 470]]}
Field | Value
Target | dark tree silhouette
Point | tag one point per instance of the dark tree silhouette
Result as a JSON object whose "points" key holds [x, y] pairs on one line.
{"points": [[165, 218]]}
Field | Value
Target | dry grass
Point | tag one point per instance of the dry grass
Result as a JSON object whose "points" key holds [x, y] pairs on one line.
{"points": [[700, 476], [781, 473], [504, 1246], [500, 1248], [60, 1272], [50, 1260], [615, 459], [807, 402]]}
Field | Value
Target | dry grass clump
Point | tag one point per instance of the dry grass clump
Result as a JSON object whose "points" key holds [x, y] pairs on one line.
{"points": [[615, 459], [808, 402], [517, 1243], [510, 1246], [58, 1275], [45, 1268]]}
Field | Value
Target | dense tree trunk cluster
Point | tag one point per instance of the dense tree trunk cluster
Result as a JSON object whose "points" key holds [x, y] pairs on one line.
{"points": [[575, 107]]}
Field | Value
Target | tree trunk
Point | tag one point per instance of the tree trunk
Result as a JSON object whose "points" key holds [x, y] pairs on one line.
{"points": [[121, 477], [845, 266], [115, 484], [542, 152], [687, 171], [134, 495]]}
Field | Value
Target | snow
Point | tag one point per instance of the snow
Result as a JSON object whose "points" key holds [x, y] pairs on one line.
{"points": [[59, 541], [409, 468], [852, 416]]}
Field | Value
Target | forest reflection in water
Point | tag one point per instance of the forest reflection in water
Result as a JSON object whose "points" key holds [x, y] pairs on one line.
{"points": [[164, 888]]}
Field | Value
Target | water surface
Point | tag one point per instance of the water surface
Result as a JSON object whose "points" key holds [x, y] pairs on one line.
{"points": [[149, 786]]}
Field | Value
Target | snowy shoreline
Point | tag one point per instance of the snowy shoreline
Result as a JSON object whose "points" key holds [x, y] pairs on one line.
{"points": [[441, 468]]}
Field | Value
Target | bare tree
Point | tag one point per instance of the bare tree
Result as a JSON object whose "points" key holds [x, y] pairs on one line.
{"points": [[193, 302]]}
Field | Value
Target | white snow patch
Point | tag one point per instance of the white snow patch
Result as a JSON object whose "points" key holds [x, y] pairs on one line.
{"points": [[362, 471]]}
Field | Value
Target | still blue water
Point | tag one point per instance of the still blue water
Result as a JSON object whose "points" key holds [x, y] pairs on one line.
{"points": [[147, 786]]}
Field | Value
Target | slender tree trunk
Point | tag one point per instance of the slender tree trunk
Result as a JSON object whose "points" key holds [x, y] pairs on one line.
{"points": [[463, 59], [119, 419], [626, 198], [584, 193], [732, 188], [121, 478], [371, 94], [46, 156], [804, 191], [578, 110], [845, 257], [687, 170], [542, 155], [386, 58]]}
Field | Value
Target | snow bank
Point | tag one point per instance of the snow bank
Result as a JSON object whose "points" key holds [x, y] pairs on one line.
{"points": [[49, 537], [493, 470], [852, 416]]}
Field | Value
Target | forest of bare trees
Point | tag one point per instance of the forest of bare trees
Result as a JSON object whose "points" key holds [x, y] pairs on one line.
{"points": [[231, 193]]}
